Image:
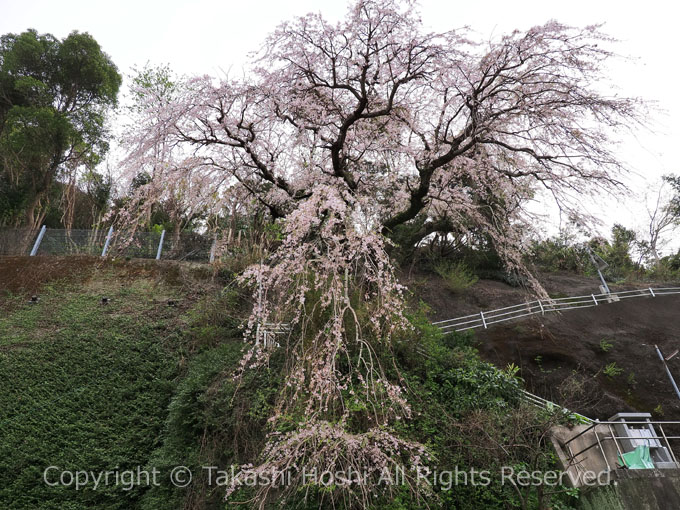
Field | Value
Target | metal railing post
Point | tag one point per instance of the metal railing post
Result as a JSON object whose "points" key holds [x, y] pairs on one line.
{"points": [[599, 444], [670, 376], [160, 246], [668, 444], [38, 241], [108, 240], [616, 443], [483, 319], [604, 283], [652, 292]]}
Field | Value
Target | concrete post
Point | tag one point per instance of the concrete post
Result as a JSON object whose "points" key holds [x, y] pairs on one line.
{"points": [[160, 246], [108, 240], [38, 241]]}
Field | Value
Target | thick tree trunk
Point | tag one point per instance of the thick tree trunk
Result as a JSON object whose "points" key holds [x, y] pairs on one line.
{"points": [[177, 230], [31, 220]]}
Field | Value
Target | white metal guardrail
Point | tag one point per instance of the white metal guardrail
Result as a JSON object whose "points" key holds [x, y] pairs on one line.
{"points": [[266, 333], [484, 319], [547, 404]]}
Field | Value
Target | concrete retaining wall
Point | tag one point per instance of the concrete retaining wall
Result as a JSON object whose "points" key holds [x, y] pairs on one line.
{"points": [[635, 490]]}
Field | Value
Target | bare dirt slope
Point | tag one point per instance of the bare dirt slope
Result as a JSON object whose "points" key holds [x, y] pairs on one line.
{"points": [[28, 275], [577, 345]]}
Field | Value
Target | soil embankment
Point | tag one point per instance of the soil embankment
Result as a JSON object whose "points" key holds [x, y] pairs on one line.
{"points": [[608, 350]]}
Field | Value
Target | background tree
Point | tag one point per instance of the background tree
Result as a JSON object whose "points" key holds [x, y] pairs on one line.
{"points": [[674, 202], [663, 211], [54, 96], [618, 252], [170, 186]]}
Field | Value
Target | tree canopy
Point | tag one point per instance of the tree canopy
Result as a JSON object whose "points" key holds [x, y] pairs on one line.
{"points": [[54, 97], [418, 131]]}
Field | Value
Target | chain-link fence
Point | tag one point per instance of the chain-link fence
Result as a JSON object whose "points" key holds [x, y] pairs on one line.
{"points": [[71, 242], [187, 246], [165, 245], [16, 241]]}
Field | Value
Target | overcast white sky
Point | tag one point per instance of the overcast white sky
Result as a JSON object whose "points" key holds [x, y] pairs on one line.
{"points": [[209, 37]]}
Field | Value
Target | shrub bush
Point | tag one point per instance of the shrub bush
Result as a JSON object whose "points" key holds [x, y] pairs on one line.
{"points": [[456, 275]]}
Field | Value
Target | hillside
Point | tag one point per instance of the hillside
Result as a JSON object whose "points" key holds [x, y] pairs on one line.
{"points": [[146, 379], [576, 345], [87, 385]]}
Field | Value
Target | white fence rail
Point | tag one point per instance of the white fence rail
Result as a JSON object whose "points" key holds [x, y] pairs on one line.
{"points": [[485, 318], [550, 406]]}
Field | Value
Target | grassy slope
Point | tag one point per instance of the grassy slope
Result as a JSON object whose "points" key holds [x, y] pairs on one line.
{"points": [[137, 382], [84, 386]]}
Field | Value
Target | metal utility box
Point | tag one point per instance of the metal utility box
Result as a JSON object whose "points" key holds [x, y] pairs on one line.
{"points": [[636, 429]]}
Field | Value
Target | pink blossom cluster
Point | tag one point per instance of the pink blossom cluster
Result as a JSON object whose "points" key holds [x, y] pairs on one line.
{"points": [[362, 466], [325, 254]]}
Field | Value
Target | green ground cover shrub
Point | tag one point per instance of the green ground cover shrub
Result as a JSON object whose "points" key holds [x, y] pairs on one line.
{"points": [[456, 275], [85, 386]]}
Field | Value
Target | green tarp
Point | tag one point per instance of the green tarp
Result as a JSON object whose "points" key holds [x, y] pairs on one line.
{"points": [[637, 459]]}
